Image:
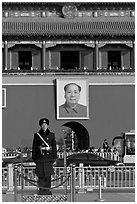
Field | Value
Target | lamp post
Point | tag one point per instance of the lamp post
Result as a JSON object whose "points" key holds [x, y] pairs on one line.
{"points": [[65, 162], [73, 143]]}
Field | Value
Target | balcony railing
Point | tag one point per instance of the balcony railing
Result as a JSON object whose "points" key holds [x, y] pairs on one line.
{"points": [[85, 70]]}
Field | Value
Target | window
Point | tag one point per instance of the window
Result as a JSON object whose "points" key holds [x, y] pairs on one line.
{"points": [[69, 60], [130, 144], [3, 97], [114, 59], [25, 60]]}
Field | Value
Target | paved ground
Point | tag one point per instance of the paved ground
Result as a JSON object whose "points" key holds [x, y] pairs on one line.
{"points": [[93, 196]]}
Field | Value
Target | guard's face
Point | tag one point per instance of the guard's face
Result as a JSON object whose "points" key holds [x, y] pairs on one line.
{"points": [[44, 126], [72, 94]]}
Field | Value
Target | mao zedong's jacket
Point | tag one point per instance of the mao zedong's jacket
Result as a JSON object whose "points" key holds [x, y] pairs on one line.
{"points": [[66, 111]]}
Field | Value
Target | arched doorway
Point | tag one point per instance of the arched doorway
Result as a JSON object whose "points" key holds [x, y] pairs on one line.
{"points": [[81, 132]]}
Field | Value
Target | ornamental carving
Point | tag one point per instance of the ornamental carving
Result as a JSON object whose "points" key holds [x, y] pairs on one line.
{"points": [[103, 43], [69, 10], [50, 44]]}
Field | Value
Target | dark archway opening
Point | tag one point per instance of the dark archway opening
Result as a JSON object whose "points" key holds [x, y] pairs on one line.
{"points": [[82, 134]]}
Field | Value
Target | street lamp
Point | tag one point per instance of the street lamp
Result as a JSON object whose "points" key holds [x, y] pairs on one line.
{"points": [[73, 142], [65, 161]]}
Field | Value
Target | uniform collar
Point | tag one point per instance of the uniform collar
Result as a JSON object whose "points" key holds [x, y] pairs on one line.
{"points": [[46, 132]]}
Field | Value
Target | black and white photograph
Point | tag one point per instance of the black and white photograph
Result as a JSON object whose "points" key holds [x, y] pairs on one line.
{"points": [[68, 101], [72, 98]]}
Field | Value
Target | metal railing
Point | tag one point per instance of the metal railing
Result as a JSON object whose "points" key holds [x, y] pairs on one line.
{"points": [[9, 154], [5, 177], [35, 183], [105, 155], [86, 177], [112, 177]]}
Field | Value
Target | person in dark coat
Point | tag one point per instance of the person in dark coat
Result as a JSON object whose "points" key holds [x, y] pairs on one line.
{"points": [[44, 154], [105, 145]]}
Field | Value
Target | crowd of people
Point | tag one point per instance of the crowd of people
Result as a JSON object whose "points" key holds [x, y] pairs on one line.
{"points": [[103, 151], [105, 148]]}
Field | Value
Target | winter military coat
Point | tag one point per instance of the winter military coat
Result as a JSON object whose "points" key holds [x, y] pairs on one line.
{"points": [[44, 159]]}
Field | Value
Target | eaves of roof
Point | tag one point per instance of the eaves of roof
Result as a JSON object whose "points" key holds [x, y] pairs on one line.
{"points": [[60, 26]]}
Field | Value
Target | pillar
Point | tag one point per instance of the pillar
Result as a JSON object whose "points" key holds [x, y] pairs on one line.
{"points": [[5, 55], [96, 55], [43, 54], [133, 56]]}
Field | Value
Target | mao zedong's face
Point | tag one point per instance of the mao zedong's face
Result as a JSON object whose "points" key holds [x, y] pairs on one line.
{"points": [[72, 94]]}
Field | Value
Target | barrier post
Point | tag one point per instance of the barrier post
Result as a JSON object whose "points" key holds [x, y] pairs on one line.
{"points": [[22, 174], [105, 182], [15, 184], [65, 166], [10, 189], [72, 184], [81, 179], [100, 193]]}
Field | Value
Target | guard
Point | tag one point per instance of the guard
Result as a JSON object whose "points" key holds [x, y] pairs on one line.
{"points": [[44, 154]]}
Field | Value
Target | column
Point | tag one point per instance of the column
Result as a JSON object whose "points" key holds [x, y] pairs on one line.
{"points": [[43, 54], [132, 56], [5, 55], [96, 55], [133, 64]]}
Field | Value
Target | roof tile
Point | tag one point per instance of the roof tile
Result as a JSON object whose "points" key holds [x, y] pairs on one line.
{"points": [[95, 26]]}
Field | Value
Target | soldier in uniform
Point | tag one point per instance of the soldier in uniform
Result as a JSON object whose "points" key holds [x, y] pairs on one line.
{"points": [[44, 154]]}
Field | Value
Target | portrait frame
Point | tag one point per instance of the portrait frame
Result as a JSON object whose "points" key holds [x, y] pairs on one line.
{"points": [[83, 101], [3, 97]]}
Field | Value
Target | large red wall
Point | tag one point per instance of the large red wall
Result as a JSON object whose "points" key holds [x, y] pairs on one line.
{"points": [[112, 110]]}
